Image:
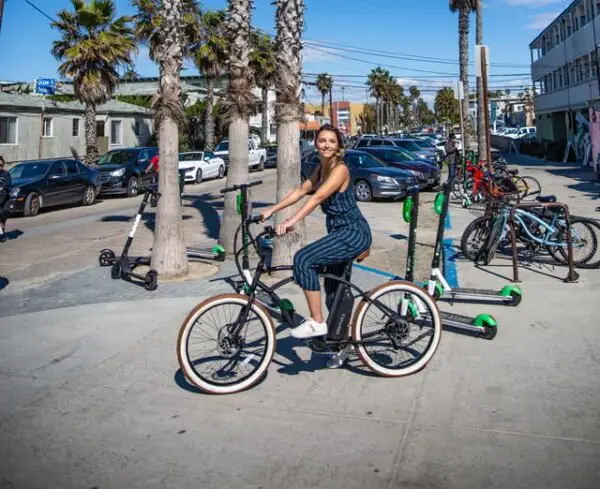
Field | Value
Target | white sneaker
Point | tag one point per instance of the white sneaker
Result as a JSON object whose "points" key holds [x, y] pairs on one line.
{"points": [[309, 328]]}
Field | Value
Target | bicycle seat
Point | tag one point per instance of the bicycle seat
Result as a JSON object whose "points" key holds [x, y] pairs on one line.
{"points": [[546, 199], [513, 172], [363, 256]]}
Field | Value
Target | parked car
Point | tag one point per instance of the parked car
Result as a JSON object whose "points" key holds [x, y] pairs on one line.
{"points": [[372, 178], [408, 144], [427, 174], [46, 183], [257, 157], [198, 165], [123, 171]]}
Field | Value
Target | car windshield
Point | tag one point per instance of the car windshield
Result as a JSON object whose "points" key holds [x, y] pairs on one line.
{"points": [[398, 154], [119, 157], [410, 145], [190, 156], [422, 144], [29, 170], [364, 161], [222, 146]]}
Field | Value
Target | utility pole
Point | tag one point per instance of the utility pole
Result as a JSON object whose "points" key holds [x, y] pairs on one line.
{"points": [[1, 13], [331, 103], [486, 112], [343, 88]]}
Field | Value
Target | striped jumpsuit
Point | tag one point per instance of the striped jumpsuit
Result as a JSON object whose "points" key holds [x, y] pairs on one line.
{"points": [[349, 235]]}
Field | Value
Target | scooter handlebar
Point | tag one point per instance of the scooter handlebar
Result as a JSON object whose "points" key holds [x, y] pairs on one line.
{"points": [[233, 188]]}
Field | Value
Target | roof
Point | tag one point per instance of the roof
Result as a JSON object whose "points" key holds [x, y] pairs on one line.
{"points": [[13, 100], [550, 24]]}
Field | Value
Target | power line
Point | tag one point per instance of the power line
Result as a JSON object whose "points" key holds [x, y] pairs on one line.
{"points": [[39, 10]]}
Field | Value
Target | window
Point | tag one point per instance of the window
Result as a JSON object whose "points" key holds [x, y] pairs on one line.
{"points": [[47, 127], [116, 132], [137, 128], [75, 128], [57, 169], [8, 130], [72, 168], [376, 142]]}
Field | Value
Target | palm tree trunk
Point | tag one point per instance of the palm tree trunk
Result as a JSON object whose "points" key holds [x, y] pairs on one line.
{"points": [[264, 129], [169, 256], [91, 137], [481, 123], [289, 20], [463, 58], [323, 103], [378, 114], [237, 174], [209, 120]]}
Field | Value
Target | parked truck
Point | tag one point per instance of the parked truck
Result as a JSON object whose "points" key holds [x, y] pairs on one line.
{"points": [[257, 157]]}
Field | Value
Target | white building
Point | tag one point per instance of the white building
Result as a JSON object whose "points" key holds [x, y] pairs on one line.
{"points": [[564, 69]]}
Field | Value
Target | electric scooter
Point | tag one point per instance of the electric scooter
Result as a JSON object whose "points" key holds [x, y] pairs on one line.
{"points": [[483, 325], [216, 253], [124, 266], [439, 288]]}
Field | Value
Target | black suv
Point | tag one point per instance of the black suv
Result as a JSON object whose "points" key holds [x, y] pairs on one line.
{"points": [[123, 171]]}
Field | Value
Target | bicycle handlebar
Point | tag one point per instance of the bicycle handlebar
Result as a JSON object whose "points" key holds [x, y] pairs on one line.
{"points": [[233, 188]]}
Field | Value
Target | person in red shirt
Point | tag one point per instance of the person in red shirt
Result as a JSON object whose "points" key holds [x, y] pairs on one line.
{"points": [[153, 165]]}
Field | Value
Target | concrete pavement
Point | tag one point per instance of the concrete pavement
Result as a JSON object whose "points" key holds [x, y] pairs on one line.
{"points": [[91, 395]]}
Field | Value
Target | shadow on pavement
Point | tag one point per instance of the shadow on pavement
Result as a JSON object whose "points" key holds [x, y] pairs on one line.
{"points": [[14, 234], [4, 283]]}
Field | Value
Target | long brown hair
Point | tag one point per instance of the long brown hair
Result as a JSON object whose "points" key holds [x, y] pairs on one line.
{"points": [[337, 158]]}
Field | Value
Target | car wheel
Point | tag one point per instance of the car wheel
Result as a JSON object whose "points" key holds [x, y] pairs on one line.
{"points": [[32, 205], [199, 176], [261, 165], [132, 187], [89, 195], [221, 172], [362, 191]]}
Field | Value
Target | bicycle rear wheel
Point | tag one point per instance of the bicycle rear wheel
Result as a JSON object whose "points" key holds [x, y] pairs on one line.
{"points": [[584, 242], [402, 340], [534, 188], [230, 363]]}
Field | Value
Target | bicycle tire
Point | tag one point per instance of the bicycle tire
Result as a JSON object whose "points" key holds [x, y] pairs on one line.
{"points": [[183, 339], [433, 312], [479, 224], [560, 253], [534, 188], [492, 242], [591, 263]]}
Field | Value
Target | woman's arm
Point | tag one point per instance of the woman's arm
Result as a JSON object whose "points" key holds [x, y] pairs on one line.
{"points": [[295, 195], [333, 183]]}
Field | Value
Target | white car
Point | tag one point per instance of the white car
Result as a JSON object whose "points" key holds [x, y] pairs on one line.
{"points": [[199, 165]]}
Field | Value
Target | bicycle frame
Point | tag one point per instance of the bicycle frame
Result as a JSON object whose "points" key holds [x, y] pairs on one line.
{"points": [[256, 283]]}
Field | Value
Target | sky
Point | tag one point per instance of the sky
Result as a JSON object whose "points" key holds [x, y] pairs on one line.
{"points": [[418, 44]]}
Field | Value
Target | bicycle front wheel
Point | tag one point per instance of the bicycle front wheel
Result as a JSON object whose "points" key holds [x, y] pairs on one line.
{"points": [[398, 333], [493, 240], [215, 359]]}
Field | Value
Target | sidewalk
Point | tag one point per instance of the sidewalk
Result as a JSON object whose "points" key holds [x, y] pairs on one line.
{"points": [[91, 395]]}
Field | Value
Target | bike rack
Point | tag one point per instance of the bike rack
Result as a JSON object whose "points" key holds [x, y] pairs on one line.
{"points": [[572, 276]]}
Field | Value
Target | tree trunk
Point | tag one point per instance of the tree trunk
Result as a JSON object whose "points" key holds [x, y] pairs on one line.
{"points": [[264, 129], [169, 256], [91, 137], [323, 103], [288, 177], [209, 120], [481, 135], [463, 58], [378, 115], [236, 175]]}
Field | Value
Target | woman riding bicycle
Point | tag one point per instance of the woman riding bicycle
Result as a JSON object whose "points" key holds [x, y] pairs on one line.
{"points": [[349, 235]]}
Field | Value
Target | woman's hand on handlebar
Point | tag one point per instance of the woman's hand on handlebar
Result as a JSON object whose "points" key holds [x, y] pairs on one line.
{"points": [[267, 213], [284, 228]]}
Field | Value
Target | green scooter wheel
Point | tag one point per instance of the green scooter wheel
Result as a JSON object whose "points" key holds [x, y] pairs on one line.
{"points": [[488, 325]]}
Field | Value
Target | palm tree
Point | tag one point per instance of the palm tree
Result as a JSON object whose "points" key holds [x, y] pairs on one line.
{"points": [[166, 27], [446, 106], [209, 54], [464, 8], [262, 62], [93, 46], [376, 82], [289, 19], [130, 75], [239, 102], [415, 93], [324, 85]]}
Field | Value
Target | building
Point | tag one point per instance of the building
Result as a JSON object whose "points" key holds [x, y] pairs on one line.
{"points": [[564, 69], [345, 114], [31, 127]]}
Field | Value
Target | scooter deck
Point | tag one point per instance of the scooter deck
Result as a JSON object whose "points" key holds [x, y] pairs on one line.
{"points": [[459, 321], [487, 295], [204, 254]]}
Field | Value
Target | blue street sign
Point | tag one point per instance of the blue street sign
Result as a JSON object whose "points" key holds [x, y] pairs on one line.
{"points": [[494, 110], [45, 86]]}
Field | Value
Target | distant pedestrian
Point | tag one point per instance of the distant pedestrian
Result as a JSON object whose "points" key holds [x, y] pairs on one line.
{"points": [[5, 184]]}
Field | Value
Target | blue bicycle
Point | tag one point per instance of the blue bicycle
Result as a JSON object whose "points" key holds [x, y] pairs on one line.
{"points": [[539, 229]]}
